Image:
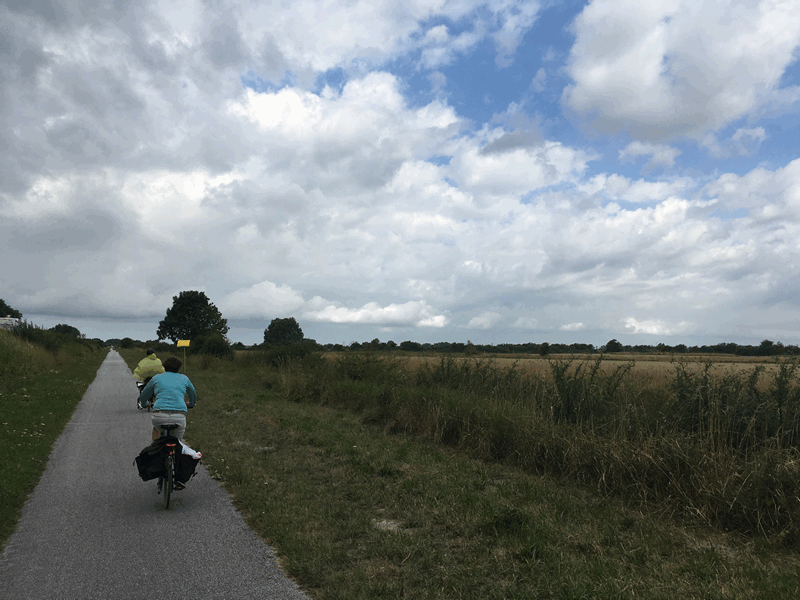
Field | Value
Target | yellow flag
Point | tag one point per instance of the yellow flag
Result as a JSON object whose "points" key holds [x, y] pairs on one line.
{"points": [[183, 343]]}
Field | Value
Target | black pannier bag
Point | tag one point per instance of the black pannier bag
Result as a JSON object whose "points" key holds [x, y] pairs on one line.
{"points": [[150, 461], [185, 467]]}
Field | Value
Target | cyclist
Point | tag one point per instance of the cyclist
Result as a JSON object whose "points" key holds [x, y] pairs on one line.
{"points": [[150, 365], [168, 393]]}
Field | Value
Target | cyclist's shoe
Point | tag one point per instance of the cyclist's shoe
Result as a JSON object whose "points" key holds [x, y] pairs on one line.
{"points": [[177, 486]]}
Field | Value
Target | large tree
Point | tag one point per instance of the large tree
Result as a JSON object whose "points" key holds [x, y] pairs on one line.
{"points": [[283, 331], [192, 315], [7, 311]]}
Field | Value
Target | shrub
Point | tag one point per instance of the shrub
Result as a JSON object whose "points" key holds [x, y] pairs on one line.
{"points": [[279, 355], [214, 344]]}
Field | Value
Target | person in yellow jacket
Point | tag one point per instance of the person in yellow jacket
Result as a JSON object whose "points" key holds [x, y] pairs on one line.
{"points": [[147, 368]]}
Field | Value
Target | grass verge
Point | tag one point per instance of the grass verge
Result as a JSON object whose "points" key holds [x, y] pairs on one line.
{"points": [[357, 512], [38, 394]]}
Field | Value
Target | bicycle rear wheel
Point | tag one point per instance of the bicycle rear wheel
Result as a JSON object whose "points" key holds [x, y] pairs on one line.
{"points": [[168, 479]]}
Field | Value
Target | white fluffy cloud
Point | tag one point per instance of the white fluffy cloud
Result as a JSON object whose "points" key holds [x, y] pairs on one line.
{"points": [[660, 154], [415, 313], [662, 69], [261, 300], [485, 320], [654, 327]]}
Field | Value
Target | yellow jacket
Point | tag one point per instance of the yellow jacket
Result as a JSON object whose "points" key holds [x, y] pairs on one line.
{"points": [[148, 367]]}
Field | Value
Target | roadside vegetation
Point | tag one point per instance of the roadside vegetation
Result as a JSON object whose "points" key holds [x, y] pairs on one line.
{"points": [[375, 475], [43, 376]]}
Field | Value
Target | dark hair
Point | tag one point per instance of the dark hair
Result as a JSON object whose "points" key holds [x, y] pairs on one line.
{"points": [[150, 351], [172, 364]]}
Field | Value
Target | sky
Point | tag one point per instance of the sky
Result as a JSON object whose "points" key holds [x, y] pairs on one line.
{"points": [[427, 170]]}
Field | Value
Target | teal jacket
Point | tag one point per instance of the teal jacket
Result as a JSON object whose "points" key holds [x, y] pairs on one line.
{"points": [[169, 391]]}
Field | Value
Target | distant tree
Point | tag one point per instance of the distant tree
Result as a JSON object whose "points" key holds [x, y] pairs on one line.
{"points": [[7, 311], [67, 329], [544, 349], [192, 314], [282, 332], [410, 346], [614, 346], [768, 348]]}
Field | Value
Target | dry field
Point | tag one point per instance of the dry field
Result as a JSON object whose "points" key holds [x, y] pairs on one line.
{"points": [[657, 366]]}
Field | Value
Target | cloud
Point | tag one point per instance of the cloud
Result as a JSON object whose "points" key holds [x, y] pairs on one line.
{"points": [[508, 168], [655, 327], [659, 154], [765, 193], [661, 69], [515, 19], [618, 187], [262, 300], [412, 313], [348, 141], [744, 142], [526, 323], [267, 155], [539, 82], [485, 320]]}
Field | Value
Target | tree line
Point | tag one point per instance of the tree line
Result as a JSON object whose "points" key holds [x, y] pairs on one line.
{"points": [[194, 317], [765, 348]]}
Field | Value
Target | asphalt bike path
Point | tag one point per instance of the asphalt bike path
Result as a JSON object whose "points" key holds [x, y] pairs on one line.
{"points": [[92, 529]]}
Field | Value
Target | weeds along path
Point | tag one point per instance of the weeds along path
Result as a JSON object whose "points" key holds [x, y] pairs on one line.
{"points": [[93, 529]]}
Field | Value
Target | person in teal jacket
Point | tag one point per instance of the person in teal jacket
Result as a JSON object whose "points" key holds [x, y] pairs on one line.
{"points": [[172, 394]]}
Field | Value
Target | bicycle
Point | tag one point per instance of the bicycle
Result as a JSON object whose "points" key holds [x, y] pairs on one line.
{"points": [[168, 482], [140, 385]]}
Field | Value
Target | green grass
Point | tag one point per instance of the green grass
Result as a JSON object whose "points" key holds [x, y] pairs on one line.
{"points": [[39, 391], [358, 508]]}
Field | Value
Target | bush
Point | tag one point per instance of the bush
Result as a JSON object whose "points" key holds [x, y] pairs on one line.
{"points": [[279, 355], [214, 344], [51, 340]]}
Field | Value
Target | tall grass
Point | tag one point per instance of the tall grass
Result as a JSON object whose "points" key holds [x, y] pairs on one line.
{"points": [[43, 376], [19, 359], [713, 443]]}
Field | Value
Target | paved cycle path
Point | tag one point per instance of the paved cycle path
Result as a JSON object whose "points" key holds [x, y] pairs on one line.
{"points": [[92, 529]]}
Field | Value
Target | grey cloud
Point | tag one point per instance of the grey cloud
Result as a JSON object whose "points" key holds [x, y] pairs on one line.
{"points": [[511, 141], [50, 11], [88, 232], [224, 46]]}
